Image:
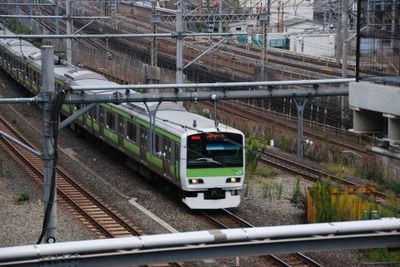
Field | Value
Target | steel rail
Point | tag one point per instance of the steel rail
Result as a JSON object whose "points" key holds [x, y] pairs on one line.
{"points": [[237, 222], [34, 164]]}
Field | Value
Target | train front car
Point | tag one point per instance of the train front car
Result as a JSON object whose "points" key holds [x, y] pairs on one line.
{"points": [[212, 168]]}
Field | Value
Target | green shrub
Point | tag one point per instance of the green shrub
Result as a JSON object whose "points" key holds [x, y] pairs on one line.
{"points": [[285, 143], [253, 151], [23, 196]]}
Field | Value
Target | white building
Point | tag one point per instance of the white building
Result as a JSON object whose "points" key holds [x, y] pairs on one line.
{"points": [[313, 44]]}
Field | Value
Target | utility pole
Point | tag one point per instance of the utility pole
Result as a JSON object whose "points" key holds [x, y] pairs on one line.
{"points": [[339, 32], [179, 47], [265, 19], [154, 21], [152, 72], [393, 27], [50, 199], [345, 33], [220, 12], [69, 31], [300, 104], [57, 23], [264, 56]]}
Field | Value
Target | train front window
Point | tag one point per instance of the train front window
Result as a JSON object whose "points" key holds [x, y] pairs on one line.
{"points": [[213, 150]]}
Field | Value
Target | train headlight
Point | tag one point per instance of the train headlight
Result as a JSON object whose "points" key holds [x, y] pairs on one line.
{"points": [[233, 180], [196, 181]]}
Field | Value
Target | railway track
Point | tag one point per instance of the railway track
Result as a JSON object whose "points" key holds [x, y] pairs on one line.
{"points": [[226, 219], [305, 171], [86, 205], [97, 216]]}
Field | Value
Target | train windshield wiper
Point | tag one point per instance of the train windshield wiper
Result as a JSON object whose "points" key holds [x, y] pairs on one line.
{"points": [[209, 160]]}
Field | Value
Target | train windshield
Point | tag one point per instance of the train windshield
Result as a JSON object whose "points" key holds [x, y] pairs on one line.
{"points": [[213, 150]]}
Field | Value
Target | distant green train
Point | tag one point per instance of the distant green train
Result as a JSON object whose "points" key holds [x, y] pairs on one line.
{"points": [[207, 162], [281, 42]]}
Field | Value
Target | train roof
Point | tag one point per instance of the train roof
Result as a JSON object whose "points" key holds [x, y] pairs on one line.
{"points": [[170, 116], [176, 119]]}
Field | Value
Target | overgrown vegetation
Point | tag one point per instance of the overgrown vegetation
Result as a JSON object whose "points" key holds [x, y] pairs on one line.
{"points": [[381, 255], [284, 143], [272, 190], [253, 152], [329, 203], [23, 196], [15, 26], [265, 172], [298, 198]]}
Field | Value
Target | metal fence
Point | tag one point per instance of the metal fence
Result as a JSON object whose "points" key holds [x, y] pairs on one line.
{"points": [[378, 41]]}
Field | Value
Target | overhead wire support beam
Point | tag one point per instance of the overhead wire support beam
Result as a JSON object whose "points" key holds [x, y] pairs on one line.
{"points": [[74, 116], [52, 17], [21, 144], [214, 17], [119, 97], [206, 52], [21, 100], [215, 85], [121, 35], [27, 4]]}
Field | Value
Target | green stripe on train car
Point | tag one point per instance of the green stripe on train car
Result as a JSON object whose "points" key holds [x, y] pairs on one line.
{"points": [[110, 135], [208, 172], [96, 126], [140, 121], [172, 170], [132, 147], [154, 160]]}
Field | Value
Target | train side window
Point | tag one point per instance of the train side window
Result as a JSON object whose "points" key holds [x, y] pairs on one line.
{"points": [[143, 136], [96, 113], [110, 120], [101, 115], [121, 125], [91, 112], [167, 148], [131, 131], [158, 146], [177, 152]]}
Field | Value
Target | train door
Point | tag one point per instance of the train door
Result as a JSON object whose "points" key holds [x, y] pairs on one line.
{"points": [[102, 117], [143, 142], [168, 162], [121, 131], [176, 158]]}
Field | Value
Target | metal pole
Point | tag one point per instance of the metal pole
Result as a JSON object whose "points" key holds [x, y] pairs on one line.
{"points": [[179, 47], [69, 31], [117, 35], [216, 85], [300, 104], [339, 35], [345, 30], [220, 12], [57, 24], [393, 28], [264, 50], [48, 141], [17, 10], [358, 40], [153, 52]]}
